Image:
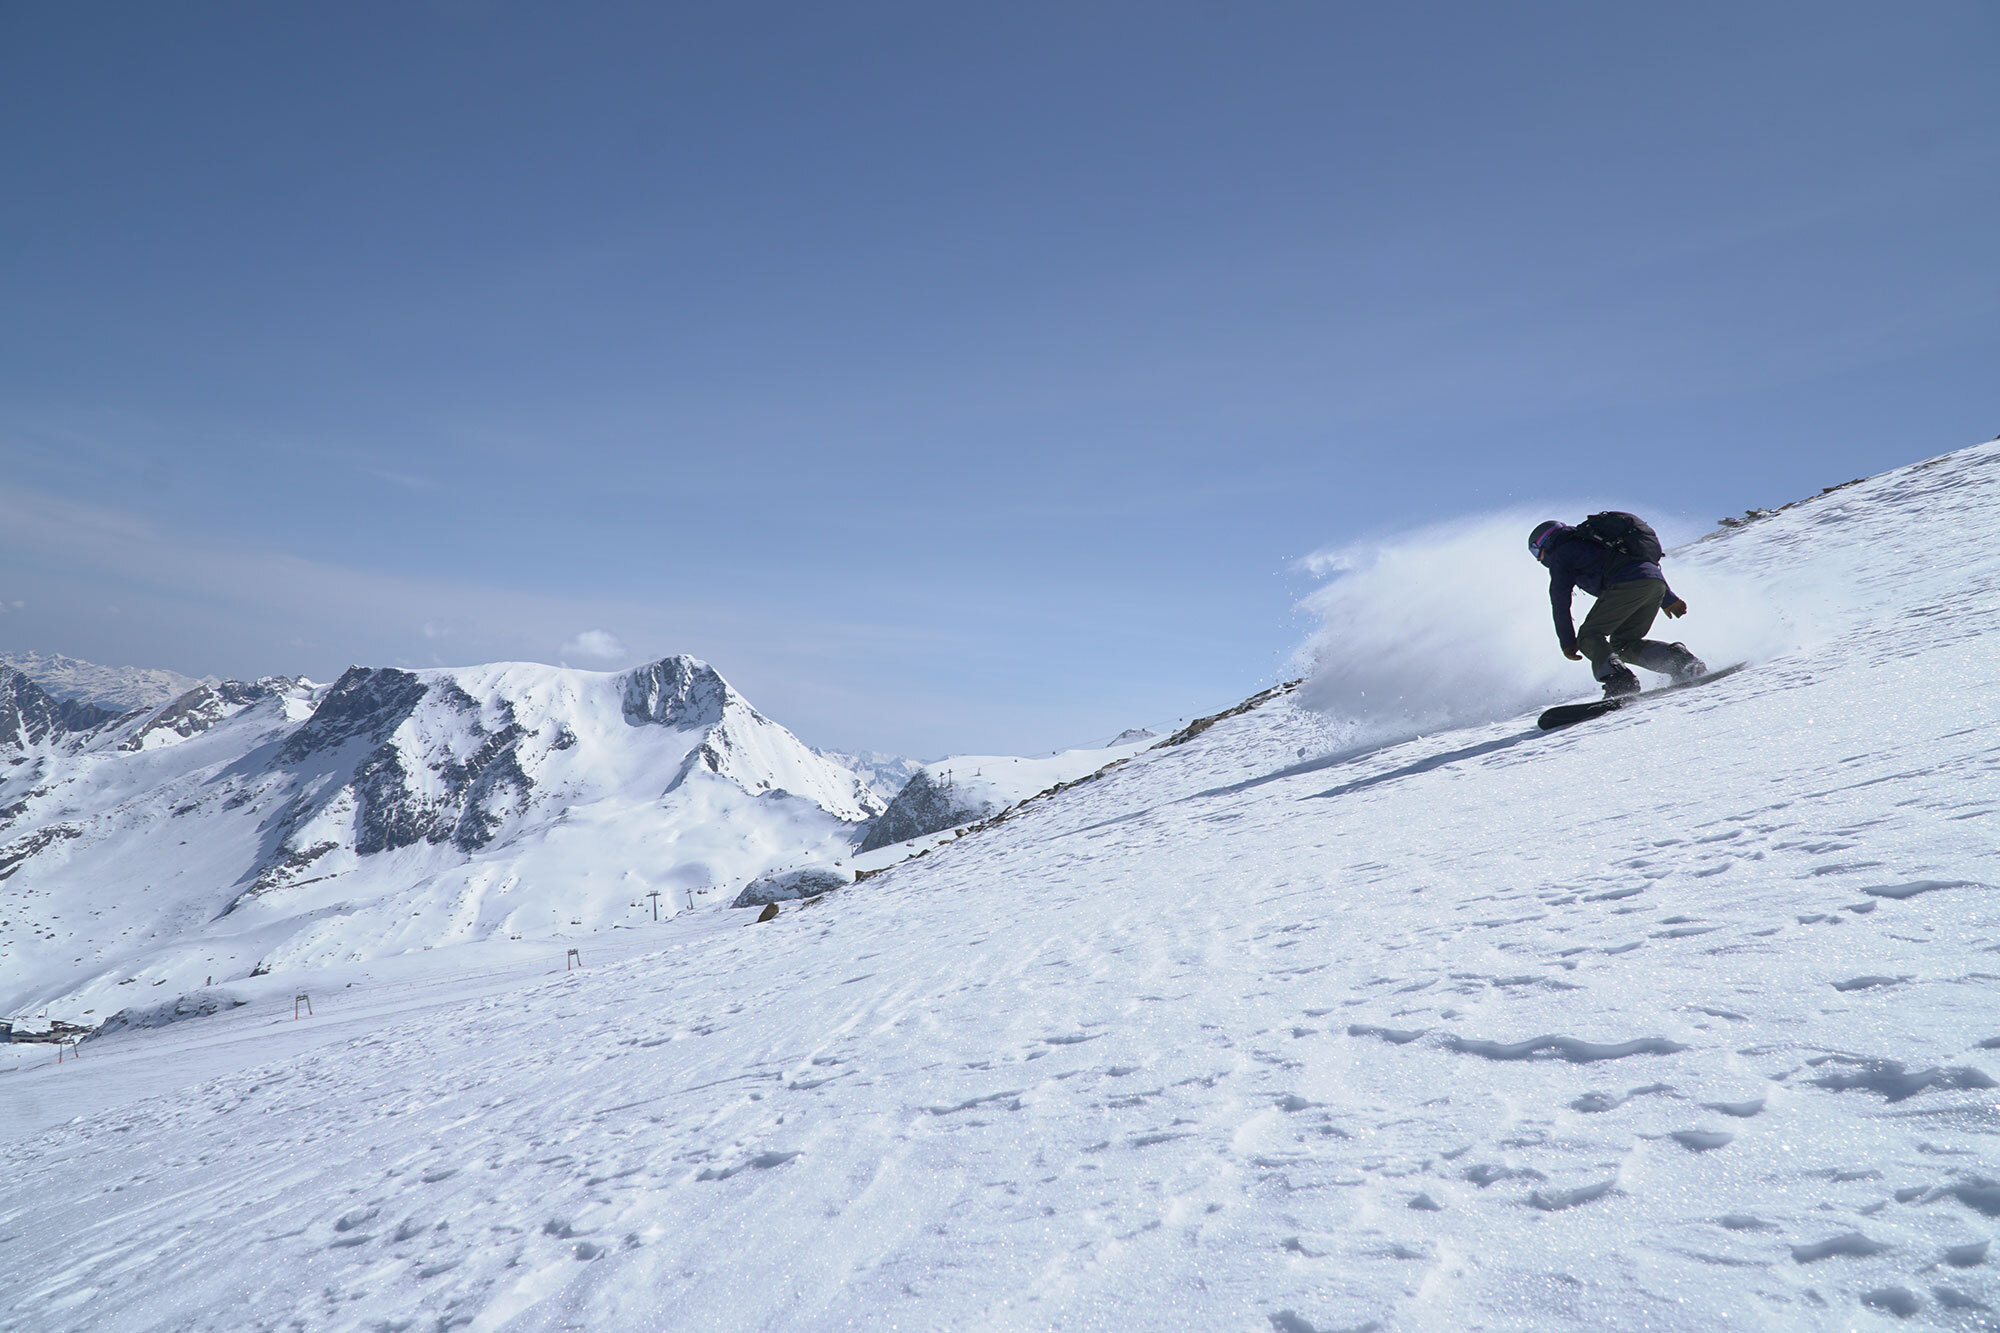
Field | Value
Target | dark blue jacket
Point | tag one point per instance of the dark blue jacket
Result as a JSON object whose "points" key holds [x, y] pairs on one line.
{"points": [[1578, 562]]}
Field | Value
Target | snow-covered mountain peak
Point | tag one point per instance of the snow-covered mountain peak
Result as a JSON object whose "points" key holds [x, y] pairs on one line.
{"points": [[678, 691]]}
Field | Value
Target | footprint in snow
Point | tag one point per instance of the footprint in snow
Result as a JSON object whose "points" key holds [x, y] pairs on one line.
{"points": [[1486, 1173], [355, 1217], [1594, 1103], [1969, 1255], [1012, 1097], [1850, 1244], [1291, 1321], [1898, 1301], [763, 1161], [1979, 1193], [1555, 1201], [1394, 1036], [1744, 1222], [1573, 1049], [1741, 1110], [1915, 887], [1892, 1080]]}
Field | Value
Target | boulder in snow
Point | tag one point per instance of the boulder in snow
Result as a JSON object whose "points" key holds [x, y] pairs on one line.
{"points": [[195, 1004], [785, 885]]}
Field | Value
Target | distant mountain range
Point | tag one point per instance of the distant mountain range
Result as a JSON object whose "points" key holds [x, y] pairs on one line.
{"points": [[241, 827], [247, 826], [119, 689]]}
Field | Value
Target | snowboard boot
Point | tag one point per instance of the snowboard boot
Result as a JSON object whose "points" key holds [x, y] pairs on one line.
{"points": [[1616, 678], [1686, 666], [1669, 659]]}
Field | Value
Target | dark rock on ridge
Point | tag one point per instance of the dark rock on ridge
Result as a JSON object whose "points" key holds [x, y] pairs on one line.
{"points": [[393, 815], [204, 706], [365, 703], [29, 715], [675, 692], [926, 804]]}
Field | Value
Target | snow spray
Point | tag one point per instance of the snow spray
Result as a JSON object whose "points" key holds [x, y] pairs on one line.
{"points": [[1450, 626]]}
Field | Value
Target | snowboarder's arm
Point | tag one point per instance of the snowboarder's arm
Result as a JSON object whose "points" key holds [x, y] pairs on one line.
{"points": [[1672, 605], [1561, 589]]}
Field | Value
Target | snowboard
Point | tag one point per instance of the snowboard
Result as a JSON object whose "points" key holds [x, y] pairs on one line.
{"points": [[1568, 715]]}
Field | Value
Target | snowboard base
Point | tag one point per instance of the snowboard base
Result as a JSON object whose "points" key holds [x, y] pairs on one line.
{"points": [[1568, 715]]}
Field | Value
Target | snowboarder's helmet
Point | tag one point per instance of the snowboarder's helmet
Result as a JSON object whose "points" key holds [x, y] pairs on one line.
{"points": [[1538, 540]]}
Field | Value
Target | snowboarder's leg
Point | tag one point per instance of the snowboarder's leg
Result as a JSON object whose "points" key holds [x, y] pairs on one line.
{"points": [[1669, 659], [1618, 608], [1640, 602], [1635, 606]]}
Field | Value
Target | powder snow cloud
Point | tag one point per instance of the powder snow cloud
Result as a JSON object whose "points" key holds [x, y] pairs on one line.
{"points": [[1449, 625]]}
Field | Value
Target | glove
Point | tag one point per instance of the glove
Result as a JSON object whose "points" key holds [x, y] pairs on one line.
{"points": [[1675, 609], [1572, 654]]}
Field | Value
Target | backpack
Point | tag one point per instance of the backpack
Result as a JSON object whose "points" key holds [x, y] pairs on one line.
{"points": [[1627, 534]]}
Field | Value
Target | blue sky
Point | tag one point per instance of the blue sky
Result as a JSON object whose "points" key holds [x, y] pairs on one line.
{"points": [[954, 377]]}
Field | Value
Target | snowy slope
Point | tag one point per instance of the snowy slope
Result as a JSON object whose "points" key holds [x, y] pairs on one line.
{"points": [[244, 828], [1681, 1020], [120, 689]]}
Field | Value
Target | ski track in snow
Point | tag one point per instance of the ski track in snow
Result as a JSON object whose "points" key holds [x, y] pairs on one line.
{"points": [[1681, 1019]]}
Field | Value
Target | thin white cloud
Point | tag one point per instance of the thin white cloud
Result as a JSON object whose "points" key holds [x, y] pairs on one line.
{"points": [[594, 643], [212, 605], [409, 481]]}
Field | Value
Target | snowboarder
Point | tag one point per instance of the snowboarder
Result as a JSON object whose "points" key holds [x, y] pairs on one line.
{"points": [[1614, 557]]}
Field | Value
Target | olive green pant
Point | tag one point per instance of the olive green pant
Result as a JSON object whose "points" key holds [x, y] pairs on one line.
{"points": [[1618, 624]]}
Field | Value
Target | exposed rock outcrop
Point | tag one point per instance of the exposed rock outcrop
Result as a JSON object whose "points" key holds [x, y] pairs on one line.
{"points": [[29, 715], [366, 703], [927, 804], [202, 707], [785, 885], [675, 692]]}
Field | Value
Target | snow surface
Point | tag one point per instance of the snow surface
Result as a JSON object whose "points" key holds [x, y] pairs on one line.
{"points": [[120, 689], [1681, 1019]]}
